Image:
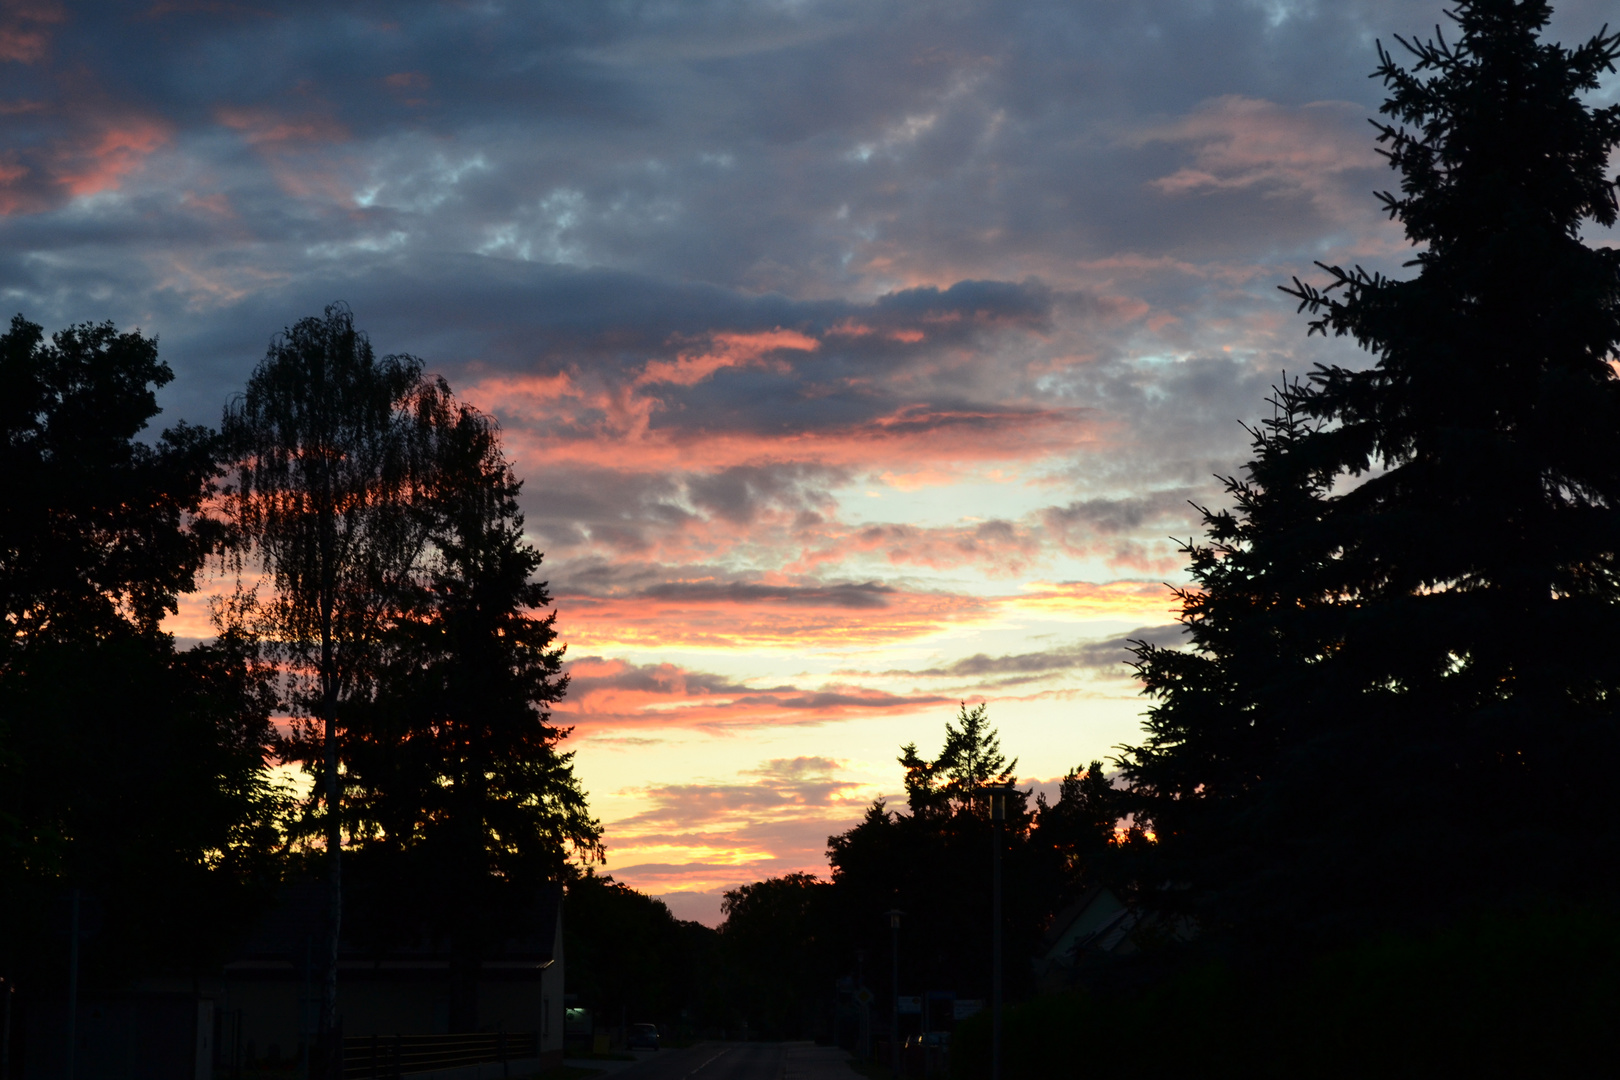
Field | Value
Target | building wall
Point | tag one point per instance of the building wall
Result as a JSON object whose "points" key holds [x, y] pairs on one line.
{"points": [[132, 1036], [274, 1013]]}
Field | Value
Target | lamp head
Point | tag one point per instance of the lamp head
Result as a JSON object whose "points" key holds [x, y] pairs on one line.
{"points": [[998, 800]]}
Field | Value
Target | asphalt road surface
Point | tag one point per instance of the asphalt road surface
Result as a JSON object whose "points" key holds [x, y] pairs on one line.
{"points": [[711, 1061]]}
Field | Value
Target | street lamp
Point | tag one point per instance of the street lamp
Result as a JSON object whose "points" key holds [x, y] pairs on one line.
{"points": [[998, 817], [894, 989]]}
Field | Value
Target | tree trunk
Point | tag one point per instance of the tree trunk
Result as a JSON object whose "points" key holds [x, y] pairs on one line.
{"points": [[330, 1065]]}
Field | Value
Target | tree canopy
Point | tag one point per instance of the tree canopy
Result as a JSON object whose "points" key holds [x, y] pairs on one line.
{"points": [[130, 771]]}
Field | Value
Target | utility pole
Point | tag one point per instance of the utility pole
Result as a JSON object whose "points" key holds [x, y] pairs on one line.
{"points": [[866, 1006]]}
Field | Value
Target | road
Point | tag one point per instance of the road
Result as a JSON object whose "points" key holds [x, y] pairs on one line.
{"points": [[711, 1061], [741, 1061]]}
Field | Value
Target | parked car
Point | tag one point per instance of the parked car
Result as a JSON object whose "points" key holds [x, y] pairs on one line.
{"points": [[643, 1037]]}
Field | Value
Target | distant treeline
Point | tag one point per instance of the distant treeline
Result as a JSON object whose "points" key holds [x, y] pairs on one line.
{"points": [[774, 966]]}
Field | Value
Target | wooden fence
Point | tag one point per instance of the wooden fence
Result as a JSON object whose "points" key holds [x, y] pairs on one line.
{"points": [[386, 1057]]}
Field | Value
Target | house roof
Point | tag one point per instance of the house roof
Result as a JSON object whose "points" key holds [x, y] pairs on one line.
{"points": [[291, 936], [1088, 921]]}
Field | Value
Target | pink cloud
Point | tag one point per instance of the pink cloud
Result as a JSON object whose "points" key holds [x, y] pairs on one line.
{"points": [[259, 126], [24, 34], [94, 158], [1241, 143], [607, 695], [999, 548], [109, 156], [407, 80], [906, 440], [726, 350]]}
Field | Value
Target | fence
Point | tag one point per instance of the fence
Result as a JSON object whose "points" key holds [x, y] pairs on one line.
{"points": [[386, 1057]]}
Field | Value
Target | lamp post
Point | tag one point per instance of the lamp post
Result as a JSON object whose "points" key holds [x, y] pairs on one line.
{"points": [[894, 989], [73, 982], [998, 817], [5, 1031]]}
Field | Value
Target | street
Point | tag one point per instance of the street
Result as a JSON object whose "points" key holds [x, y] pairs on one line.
{"points": [[741, 1061]]}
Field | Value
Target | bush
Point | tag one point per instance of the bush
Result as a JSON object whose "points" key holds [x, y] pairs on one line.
{"points": [[1503, 995]]}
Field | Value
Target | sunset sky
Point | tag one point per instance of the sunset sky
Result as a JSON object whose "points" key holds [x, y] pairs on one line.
{"points": [[859, 358]]}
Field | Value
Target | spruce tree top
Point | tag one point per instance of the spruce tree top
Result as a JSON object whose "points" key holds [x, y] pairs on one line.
{"points": [[1492, 409], [1404, 633]]}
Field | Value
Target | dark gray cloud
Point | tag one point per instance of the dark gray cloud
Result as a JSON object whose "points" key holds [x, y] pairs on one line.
{"points": [[1107, 656], [855, 596], [605, 675]]}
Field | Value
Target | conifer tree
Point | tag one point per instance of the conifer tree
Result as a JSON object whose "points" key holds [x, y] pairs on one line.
{"points": [[453, 765], [1432, 677], [970, 759], [1258, 618]]}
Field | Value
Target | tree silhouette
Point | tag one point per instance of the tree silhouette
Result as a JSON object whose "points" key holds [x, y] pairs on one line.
{"points": [[327, 450], [934, 863], [970, 759], [99, 530], [129, 770]]}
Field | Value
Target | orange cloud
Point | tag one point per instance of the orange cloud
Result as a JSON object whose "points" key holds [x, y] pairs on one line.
{"points": [[729, 615], [22, 46], [713, 835], [804, 618], [612, 693], [296, 150], [1139, 600], [213, 204], [906, 441]]}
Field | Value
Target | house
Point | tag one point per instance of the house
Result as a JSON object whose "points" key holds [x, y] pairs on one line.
{"points": [[271, 990], [1099, 924], [155, 1029]]}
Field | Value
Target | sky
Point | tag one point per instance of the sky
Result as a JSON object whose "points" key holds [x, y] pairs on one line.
{"points": [[859, 358]]}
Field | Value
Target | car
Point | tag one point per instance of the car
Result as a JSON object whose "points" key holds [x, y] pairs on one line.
{"points": [[643, 1037]]}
